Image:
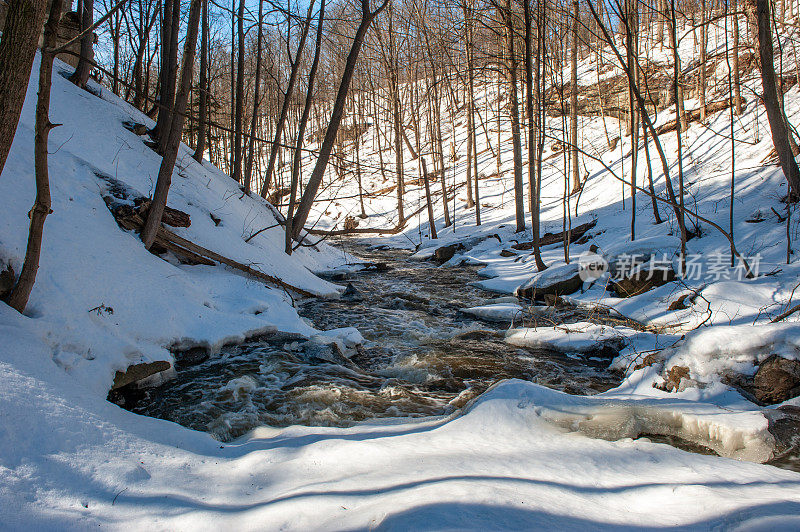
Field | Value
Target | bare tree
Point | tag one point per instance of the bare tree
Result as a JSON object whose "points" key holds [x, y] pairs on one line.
{"points": [[164, 180], [18, 298], [315, 180], [81, 75], [24, 19], [287, 99], [772, 104]]}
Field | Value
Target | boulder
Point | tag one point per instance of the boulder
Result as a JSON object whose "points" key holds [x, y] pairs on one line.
{"points": [[784, 425], [641, 250], [137, 372], [642, 279], [445, 253], [557, 280], [777, 380]]}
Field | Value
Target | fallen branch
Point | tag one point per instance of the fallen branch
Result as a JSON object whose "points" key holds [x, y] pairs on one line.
{"points": [[784, 315], [694, 115], [128, 218], [554, 238]]}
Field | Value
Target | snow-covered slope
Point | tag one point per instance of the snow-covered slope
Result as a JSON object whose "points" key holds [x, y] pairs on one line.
{"points": [[88, 262]]}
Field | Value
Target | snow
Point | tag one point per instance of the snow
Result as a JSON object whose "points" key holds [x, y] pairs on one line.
{"points": [[717, 351], [503, 312], [581, 337], [520, 456]]}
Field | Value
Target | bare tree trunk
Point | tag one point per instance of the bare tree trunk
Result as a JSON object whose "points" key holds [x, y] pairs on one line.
{"points": [[164, 180], [431, 219], [18, 298], [81, 75], [467, 8], [204, 88], [301, 130], [248, 170], [315, 180], [287, 100], [777, 120], [737, 83], [701, 79], [238, 116], [529, 107], [24, 19], [573, 101], [680, 122], [169, 70], [513, 104]]}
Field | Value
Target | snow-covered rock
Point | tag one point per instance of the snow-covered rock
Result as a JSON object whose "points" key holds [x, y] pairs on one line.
{"points": [[581, 337]]}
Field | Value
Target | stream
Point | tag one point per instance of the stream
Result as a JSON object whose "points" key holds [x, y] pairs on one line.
{"points": [[421, 356]]}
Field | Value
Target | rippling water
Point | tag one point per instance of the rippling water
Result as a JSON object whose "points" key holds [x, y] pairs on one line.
{"points": [[421, 357]]}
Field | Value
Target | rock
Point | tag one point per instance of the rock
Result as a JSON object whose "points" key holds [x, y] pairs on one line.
{"points": [[480, 335], [627, 254], [777, 380], [351, 293], [679, 304], [784, 425], [556, 280], [677, 379], [643, 279], [507, 253], [137, 372], [7, 281], [552, 300], [445, 253]]}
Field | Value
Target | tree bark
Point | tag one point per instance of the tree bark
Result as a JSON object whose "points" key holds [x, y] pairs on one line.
{"points": [[513, 104], [81, 75], [777, 121], [573, 101], [531, 114], [204, 88], [238, 118], [24, 19], [248, 169], [169, 71]]}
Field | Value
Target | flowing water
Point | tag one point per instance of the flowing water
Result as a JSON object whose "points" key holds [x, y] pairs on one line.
{"points": [[422, 357]]}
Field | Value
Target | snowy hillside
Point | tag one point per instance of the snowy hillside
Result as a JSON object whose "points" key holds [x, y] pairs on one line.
{"points": [[90, 263]]}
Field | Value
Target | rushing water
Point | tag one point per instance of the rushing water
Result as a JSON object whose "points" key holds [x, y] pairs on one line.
{"points": [[421, 357]]}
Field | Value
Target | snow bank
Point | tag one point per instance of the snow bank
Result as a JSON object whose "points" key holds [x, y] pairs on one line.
{"points": [[581, 337], [734, 433], [714, 352], [502, 312]]}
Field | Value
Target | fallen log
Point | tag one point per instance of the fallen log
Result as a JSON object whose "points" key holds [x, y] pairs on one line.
{"points": [[171, 216], [130, 219], [694, 115], [548, 239]]}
